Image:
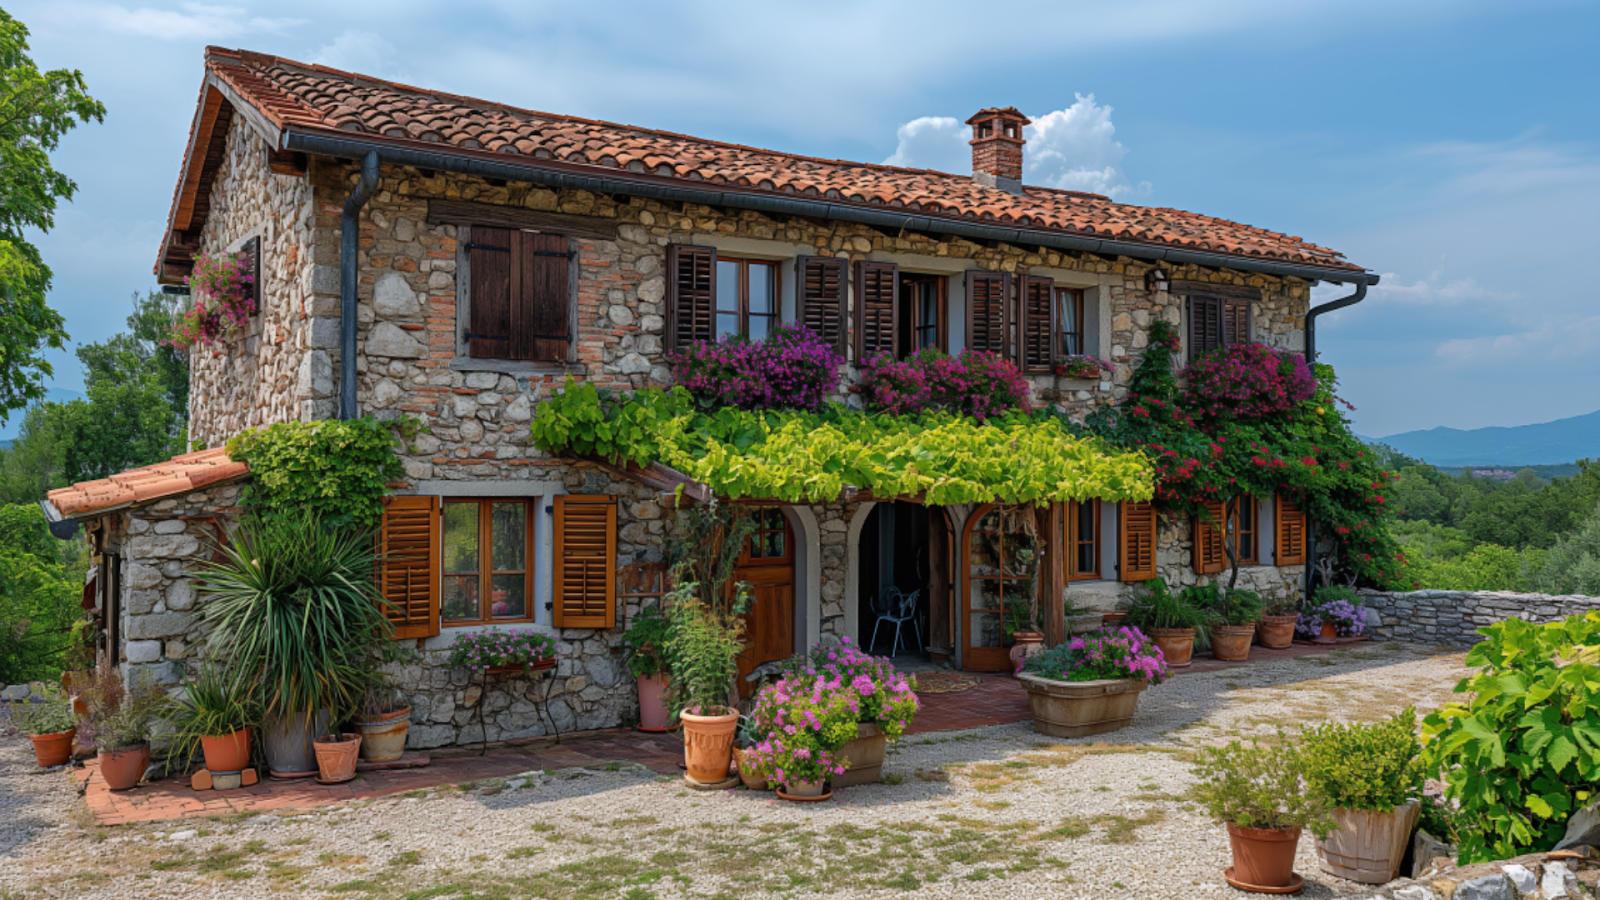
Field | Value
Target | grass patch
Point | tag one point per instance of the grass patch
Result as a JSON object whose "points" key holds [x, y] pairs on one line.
{"points": [[523, 852], [406, 858]]}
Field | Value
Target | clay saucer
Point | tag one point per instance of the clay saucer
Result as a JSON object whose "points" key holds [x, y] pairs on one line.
{"points": [[817, 799], [1296, 884]]}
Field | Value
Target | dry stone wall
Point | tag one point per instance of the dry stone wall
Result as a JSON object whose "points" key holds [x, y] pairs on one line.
{"points": [[1453, 617]]}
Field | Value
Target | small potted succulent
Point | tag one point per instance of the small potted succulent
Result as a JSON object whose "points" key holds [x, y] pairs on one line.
{"points": [[1372, 776], [1337, 613], [885, 701], [383, 723], [215, 710], [1260, 792], [1081, 365], [647, 640], [1091, 683], [1234, 614], [503, 652], [1171, 620], [1278, 621], [50, 724]]}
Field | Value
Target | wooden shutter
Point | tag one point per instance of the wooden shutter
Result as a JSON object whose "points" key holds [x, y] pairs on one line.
{"points": [[877, 300], [252, 252], [1136, 540], [820, 291], [489, 253], [1236, 321], [540, 291], [1207, 537], [408, 572], [1289, 544], [1037, 324], [1205, 326], [988, 322], [586, 561], [691, 294]]}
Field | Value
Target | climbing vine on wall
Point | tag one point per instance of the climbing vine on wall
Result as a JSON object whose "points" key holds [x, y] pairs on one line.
{"points": [[339, 469]]}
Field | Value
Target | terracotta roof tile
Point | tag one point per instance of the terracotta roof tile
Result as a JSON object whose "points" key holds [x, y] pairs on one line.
{"points": [[178, 475], [312, 97]]}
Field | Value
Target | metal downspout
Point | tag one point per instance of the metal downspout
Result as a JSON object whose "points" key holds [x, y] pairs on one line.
{"points": [[349, 258], [1311, 359]]}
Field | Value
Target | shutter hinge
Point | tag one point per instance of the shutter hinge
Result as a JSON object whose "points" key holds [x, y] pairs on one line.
{"points": [[570, 254], [487, 337], [488, 247]]}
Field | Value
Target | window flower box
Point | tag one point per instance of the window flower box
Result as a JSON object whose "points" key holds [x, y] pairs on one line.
{"points": [[1082, 366], [503, 652]]}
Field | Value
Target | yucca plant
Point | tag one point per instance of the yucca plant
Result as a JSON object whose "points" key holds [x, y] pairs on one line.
{"points": [[292, 604], [215, 702], [1158, 607]]}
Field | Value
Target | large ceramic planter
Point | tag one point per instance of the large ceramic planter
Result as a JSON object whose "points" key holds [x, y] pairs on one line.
{"points": [[287, 743], [1277, 632], [1177, 645], [1263, 858], [383, 737], [708, 744], [1231, 643], [1368, 846], [1078, 708], [1026, 644], [653, 712], [53, 749], [123, 767], [228, 752], [865, 754], [336, 756]]}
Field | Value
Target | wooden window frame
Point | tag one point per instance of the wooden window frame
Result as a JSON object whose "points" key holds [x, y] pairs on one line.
{"points": [[985, 656], [1238, 530], [1065, 295], [775, 318], [747, 556], [486, 570], [941, 301], [1076, 542], [1233, 314]]}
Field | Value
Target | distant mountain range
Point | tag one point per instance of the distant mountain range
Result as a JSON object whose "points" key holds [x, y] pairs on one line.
{"points": [[1547, 443], [13, 424]]}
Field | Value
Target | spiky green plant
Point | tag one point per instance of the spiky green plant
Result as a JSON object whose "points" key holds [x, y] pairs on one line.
{"points": [[215, 702]]}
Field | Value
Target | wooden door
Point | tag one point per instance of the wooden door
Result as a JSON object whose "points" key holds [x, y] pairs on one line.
{"points": [[940, 613], [999, 555], [767, 564]]}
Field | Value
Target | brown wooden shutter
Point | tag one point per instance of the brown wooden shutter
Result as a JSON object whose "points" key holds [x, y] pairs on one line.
{"points": [[1209, 554], [586, 561], [1136, 539], [540, 301], [408, 571], [1289, 520], [490, 253], [1205, 326], [877, 296], [691, 294], [1237, 321], [820, 297], [1037, 323], [252, 251], [988, 321]]}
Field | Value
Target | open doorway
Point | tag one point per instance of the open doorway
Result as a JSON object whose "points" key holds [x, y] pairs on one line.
{"points": [[904, 587]]}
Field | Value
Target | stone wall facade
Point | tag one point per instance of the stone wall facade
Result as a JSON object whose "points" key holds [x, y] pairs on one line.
{"points": [[1453, 617]]}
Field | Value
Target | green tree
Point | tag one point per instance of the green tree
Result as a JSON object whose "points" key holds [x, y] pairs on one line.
{"points": [[1572, 566], [36, 109], [40, 583]]}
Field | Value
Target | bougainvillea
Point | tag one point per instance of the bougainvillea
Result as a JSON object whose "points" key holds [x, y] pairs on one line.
{"points": [[1082, 365], [1247, 381], [979, 384], [793, 368], [222, 297]]}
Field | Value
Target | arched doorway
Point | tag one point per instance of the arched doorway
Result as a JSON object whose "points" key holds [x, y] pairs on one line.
{"points": [[903, 548], [766, 562], [999, 559]]}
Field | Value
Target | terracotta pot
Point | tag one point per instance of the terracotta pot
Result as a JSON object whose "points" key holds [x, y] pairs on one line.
{"points": [[1368, 846], [1263, 857], [804, 788], [1330, 633], [1231, 643], [383, 737], [653, 712], [123, 767], [708, 744], [865, 755], [1027, 643], [1112, 619], [228, 752], [1079, 708], [747, 775], [1177, 645], [1277, 632], [54, 749], [336, 756]]}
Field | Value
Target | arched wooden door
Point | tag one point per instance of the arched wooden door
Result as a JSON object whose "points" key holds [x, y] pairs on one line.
{"points": [[767, 563], [998, 562]]}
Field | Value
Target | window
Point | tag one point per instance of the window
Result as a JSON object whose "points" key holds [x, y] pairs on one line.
{"points": [[770, 539], [1069, 313], [1216, 322], [988, 311], [487, 550], [877, 310], [519, 295], [1244, 520], [922, 312], [747, 297], [1083, 541]]}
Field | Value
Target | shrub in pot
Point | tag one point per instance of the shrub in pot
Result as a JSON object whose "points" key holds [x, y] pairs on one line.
{"points": [[705, 641], [1336, 612], [1172, 621], [803, 721], [1278, 622], [213, 712], [883, 698], [383, 723], [746, 737], [1370, 775], [117, 726], [1091, 683], [647, 640], [1260, 792], [1234, 615], [50, 723]]}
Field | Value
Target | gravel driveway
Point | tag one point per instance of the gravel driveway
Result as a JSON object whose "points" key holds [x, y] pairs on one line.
{"points": [[991, 812]]}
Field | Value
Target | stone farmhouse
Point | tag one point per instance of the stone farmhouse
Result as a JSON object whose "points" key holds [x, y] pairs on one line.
{"points": [[457, 260]]}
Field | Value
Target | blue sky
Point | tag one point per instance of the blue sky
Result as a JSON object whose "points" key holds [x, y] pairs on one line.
{"points": [[1451, 146]]}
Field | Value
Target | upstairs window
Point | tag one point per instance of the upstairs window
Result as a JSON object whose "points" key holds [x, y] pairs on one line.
{"points": [[922, 312], [1069, 315], [1217, 322], [520, 295], [747, 297]]}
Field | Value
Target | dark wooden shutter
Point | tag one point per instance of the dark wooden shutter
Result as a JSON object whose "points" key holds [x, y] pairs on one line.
{"points": [[1289, 544], [1236, 322], [252, 252], [586, 561], [540, 296], [877, 296], [1209, 555], [489, 336], [1037, 323], [988, 321], [820, 291], [408, 572], [691, 294], [1205, 326], [1136, 540]]}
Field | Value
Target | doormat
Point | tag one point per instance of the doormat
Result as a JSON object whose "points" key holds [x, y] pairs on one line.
{"points": [[946, 682]]}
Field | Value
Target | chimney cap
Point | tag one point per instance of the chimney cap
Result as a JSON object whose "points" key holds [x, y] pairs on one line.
{"points": [[1009, 112]]}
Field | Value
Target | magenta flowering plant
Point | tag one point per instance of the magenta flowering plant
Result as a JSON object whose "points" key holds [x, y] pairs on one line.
{"points": [[1082, 365], [880, 694], [222, 297], [974, 383], [1108, 653], [480, 650], [801, 722], [792, 368], [1248, 381]]}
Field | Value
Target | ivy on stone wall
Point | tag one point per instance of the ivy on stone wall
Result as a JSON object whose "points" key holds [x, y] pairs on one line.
{"points": [[339, 469]]}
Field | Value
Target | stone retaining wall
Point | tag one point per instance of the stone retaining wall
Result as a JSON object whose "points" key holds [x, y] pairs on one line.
{"points": [[1453, 617]]}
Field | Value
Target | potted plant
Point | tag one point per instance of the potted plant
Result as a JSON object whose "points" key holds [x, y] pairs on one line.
{"points": [[748, 736], [647, 640], [1259, 791], [1081, 365], [1091, 684], [117, 727], [1020, 627], [805, 721], [49, 722], [503, 652], [1278, 621], [705, 641], [1336, 613], [1234, 614], [885, 702], [383, 722], [1371, 776], [1171, 621], [293, 603], [213, 713], [336, 757]]}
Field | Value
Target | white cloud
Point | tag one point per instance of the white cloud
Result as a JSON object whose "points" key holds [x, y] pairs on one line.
{"points": [[933, 142], [1554, 339], [197, 22]]}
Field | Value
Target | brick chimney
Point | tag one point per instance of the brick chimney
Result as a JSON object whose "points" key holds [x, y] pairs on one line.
{"points": [[997, 148]]}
